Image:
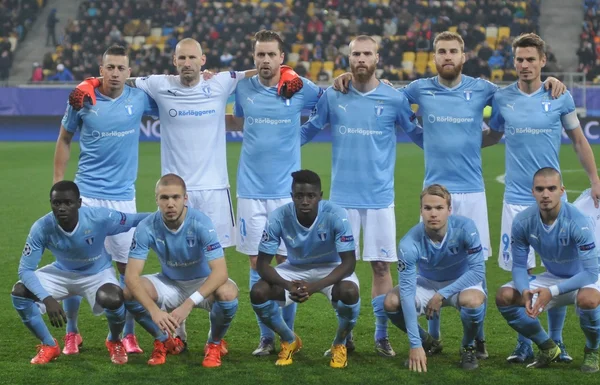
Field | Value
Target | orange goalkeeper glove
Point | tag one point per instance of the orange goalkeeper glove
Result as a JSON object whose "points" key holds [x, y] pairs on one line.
{"points": [[289, 82], [84, 92]]}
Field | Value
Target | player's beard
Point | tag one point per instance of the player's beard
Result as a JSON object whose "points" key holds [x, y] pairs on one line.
{"points": [[266, 73], [364, 75], [449, 74]]}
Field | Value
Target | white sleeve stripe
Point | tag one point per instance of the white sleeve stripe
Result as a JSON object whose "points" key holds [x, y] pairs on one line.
{"points": [[570, 121]]}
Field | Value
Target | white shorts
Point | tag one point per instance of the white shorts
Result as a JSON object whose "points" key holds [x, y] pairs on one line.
{"points": [[426, 289], [474, 207], [61, 284], [585, 204], [172, 293], [216, 204], [252, 217], [379, 233], [116, 245], [509, 212], [310, 273], [545, 280]]}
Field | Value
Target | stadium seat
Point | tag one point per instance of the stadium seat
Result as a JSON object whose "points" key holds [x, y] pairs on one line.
{"points": [[328, 65], [377, 38], [140, 40], [293, 57], [420, 67], [408, 65], [156, 32], [296, 48], [338, 72], [491, 41], [497, 75], [453, 29], [503, 32], [422, 57], [408, 56], [13, 43], [128, 39], [491, 31], [432, 67]]}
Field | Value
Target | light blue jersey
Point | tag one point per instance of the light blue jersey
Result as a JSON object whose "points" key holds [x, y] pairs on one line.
{"points": [[109, 141], [363, 127], [271, 145], [567, 247], [452, 125], [458, 257], [80, 251], [183, 254], [532, 127], [329, 235]]}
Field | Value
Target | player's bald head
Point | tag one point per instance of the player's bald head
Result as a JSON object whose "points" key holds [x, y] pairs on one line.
{"points": [[188, 43], [171, 180], [547, 172]]}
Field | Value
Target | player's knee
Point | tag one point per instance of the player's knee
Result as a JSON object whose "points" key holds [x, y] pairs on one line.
{"points": [[471, 299], [346, 291], [506, 296], [110, 296], [19, 290], [391, 303], [127, 295], [227, 292], [588, 299], [380, 269], [259, 292], [280, 259]]}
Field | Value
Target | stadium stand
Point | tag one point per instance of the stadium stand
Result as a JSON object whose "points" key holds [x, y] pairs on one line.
{"points": [[316, 35], [589, 46], [16, 16]]}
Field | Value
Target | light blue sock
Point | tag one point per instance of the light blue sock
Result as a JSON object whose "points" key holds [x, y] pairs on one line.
{"points": [[71, 308], [472, 319], [523, 324], [116, 321], [32, 318], [433, 325], [265, 332], [524, 340], [347, 315], [397, 318], [381, 319], [129, 318], [221, 314], [270, 315], [589, 320], [481, 333], [556, 322], [142, 316], [289, 314]]}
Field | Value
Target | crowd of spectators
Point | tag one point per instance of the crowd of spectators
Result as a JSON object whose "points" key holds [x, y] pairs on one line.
{"points": [[316, 33], [588, 52]]}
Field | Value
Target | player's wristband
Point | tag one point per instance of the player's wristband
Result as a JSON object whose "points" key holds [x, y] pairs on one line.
{"points": [[554, 290], [196, 298]]}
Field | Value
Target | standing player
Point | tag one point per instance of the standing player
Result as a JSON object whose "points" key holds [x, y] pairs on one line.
{"points": [[321, 259], [363, 125], [108, 165], [451, 269], [193, 274], [452, 108], [564, 239], [270, 152], [533, 126], [75, 235]]}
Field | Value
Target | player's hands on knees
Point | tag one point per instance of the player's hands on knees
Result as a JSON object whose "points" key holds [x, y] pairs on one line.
{"points": [[298, 291], [417, 360], [543, 298], [433, 306], [182, 311], [555, 86], [528, 301], [342, 82], [165, 321], [289, 82], [207, 75], [84, 92], [55, 312]]}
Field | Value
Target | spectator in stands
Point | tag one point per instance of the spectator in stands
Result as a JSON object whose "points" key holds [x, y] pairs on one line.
{"points": [[485, 52], [37, 73], [51, 22], [496, 61], [389, 28], [5, 64], [62, 74], [323, 76], [586, 55], [484, 70], [301, 70], [115, 35], [388, 74]]}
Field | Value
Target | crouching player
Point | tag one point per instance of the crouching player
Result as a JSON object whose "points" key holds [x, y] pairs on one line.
{"points": [[564, 239], [193, 274], [321, 258], [75, 235], [448, 253]]}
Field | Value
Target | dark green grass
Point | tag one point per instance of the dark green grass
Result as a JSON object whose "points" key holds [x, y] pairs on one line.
{"points": [[26, 175]]}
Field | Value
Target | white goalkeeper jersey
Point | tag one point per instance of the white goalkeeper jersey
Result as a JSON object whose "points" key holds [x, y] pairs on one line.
{"points": [[192, 127]]}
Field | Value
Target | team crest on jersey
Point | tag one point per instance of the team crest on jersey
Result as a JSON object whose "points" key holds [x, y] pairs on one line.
{"points": [[26, 250], [129, 108], [453, 249], [190, 239], [89, 240], [206, 90], [322, 236], [468, 94], [546, 105], [378, 110]]}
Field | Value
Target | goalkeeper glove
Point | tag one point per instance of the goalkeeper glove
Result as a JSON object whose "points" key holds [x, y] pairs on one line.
{"points": [[84, 92], [289, 82]]}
